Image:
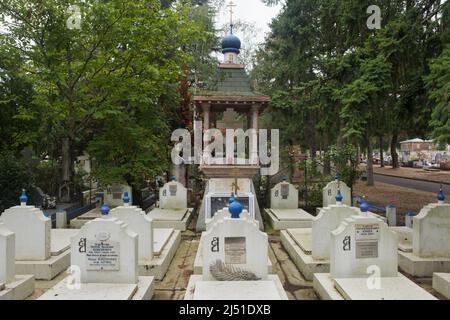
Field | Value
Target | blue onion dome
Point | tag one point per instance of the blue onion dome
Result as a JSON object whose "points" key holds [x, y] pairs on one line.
{"points": [[364, 206], [126, 198], [231, 43], [339, 196], [441, 195], [231, 198], [235, 209], [23, 197], [104, 210]]}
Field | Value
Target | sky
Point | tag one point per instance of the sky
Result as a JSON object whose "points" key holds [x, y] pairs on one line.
{"points": [[251, 11]]}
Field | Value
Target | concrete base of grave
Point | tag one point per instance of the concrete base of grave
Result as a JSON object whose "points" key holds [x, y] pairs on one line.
{"points": [[270, 289], [441, 283], [281, 219], [391, 288], [404, 235], [297, 243], [171, 218], [19, 289], [370, 213], [422, 267], [198, 263], [58, 261], [166, 244], [143, 290]]}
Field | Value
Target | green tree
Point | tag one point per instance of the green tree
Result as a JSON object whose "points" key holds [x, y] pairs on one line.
{"points": [[121, 65], [438, 84], [14, 176]]}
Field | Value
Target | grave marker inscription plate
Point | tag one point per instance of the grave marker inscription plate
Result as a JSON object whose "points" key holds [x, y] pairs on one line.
{"points": [[102, 255], [235, 252]]}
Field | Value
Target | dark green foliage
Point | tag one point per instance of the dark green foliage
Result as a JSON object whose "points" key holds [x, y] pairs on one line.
{"points": [[14, 176]]}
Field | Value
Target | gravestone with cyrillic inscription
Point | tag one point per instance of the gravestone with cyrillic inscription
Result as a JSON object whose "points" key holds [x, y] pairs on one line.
{"points": [[173, 195], [284, 196], [361, 244], [105, 251], [239, 244], [330, 190]]}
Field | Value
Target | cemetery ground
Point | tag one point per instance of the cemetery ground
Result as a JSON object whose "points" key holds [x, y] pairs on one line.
{"points": [[405, 199], [440, 176], [173, 286]]}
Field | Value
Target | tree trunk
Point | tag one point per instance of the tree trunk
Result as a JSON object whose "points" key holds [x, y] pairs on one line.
{"points": [[394, 154], [381, 152], [326, 159], [65, 190], [370, 181]]}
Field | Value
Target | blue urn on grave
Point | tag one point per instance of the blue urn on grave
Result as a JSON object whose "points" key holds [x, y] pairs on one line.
{"points": [[104, 210], [441, 196], [235, 209], [126, 199], [364, 206], [339, 196], [23, 198]]}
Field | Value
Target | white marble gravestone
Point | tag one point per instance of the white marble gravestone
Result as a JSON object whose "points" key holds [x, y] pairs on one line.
{"points": [[172, 211], [363, 264], [104, 254], [309, 248], [360, 242], [330, 190], [284, 196], [219, 216], [284, 212], [173, 195], [328, 220], [12, 286], [237, 242], [239, 246], [157, 246], [138, 222], [430, 242], [32, 230], [40, 250], [7, 266]]}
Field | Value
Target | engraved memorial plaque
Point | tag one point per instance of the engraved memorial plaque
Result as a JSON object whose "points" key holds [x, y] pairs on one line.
{"points": [[235, 252], [367, 232], [173, 190], [102, 255], [284, 191], [366, 249]]}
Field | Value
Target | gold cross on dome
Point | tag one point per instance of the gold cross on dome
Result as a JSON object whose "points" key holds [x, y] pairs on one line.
{"points": [[231, 5], [236, 172]]}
